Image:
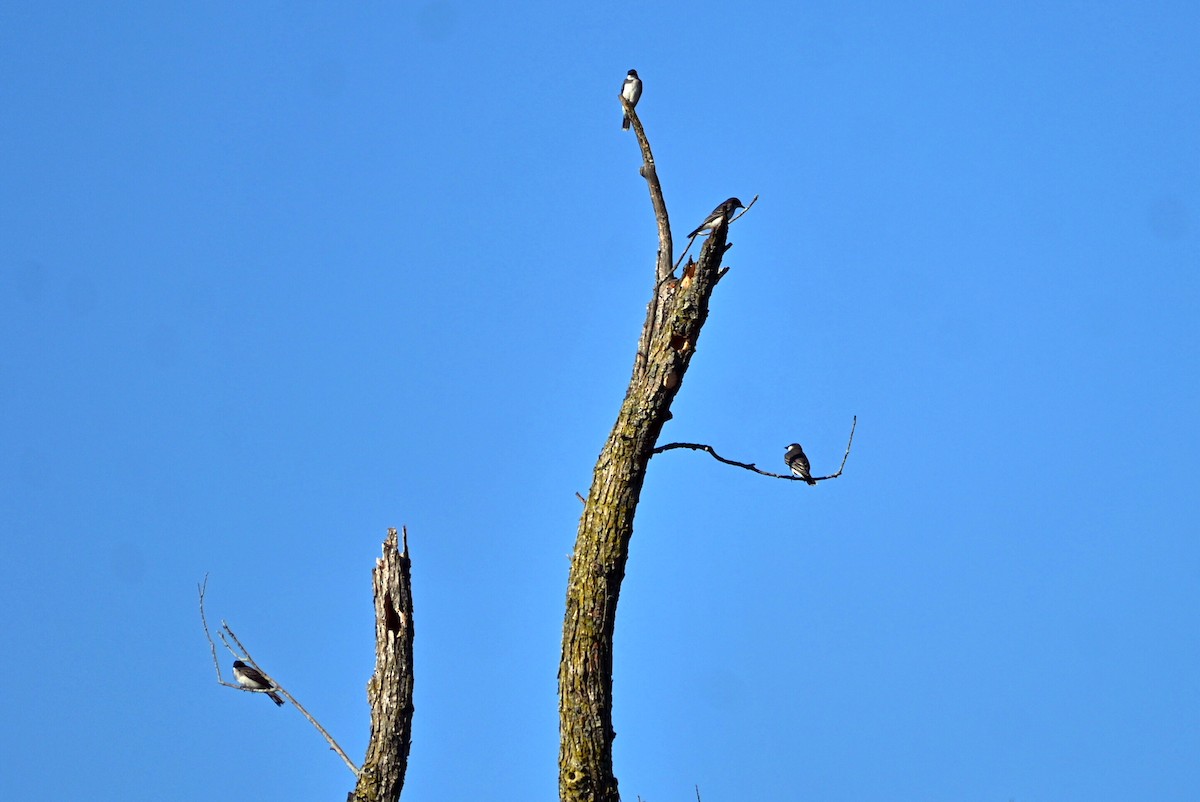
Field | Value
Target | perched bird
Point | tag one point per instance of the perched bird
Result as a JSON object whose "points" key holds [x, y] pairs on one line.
{"points": [[631, 90], [250, 677], [722, 213], [795, 459]]}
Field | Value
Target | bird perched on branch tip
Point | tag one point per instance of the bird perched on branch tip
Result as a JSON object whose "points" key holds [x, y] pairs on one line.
{"points": [[631, 90], [798, 463], [250, 677], [722, 213]]}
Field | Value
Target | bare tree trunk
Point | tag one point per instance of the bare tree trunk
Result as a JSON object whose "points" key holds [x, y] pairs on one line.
{"points": [[390, 690], [677, 312]]}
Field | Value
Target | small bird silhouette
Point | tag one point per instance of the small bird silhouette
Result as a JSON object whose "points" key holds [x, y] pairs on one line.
{"points": [[798, 462], [631, 90], [249, 677], [722, 213]]}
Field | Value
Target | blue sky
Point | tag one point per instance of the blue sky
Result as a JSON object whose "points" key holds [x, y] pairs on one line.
{"points": [[275, 277]]}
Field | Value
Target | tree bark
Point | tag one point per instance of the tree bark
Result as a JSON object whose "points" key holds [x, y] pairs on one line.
{"points": [[676, 314], [390, 690]]}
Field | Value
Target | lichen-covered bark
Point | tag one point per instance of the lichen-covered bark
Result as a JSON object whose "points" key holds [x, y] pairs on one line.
{"points": [[390, 690], [677, 313]]}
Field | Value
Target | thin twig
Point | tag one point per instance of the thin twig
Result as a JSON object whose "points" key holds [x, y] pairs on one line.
{"points": [[750, 466], [849, 443], [202, 587], [685, 252], [740, 214], [226, 634]]}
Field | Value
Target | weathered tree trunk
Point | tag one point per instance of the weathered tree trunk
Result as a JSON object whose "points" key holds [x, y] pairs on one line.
{"points": [[390, 690], [677, 312]]}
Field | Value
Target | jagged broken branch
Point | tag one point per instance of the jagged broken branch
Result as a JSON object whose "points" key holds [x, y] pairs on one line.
{"points": [[390, 689]]}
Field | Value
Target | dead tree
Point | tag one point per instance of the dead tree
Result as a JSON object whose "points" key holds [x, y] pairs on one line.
{"points": [[674, 318], [677, 312], [390, 690]]}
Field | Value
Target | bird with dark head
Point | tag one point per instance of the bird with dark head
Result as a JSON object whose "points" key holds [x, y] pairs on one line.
{"points": [[250, 677], [798, 463], [721, 214], [631, 90]]}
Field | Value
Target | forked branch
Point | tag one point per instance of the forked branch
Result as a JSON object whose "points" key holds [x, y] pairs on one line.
{"points": [[226, 634]]}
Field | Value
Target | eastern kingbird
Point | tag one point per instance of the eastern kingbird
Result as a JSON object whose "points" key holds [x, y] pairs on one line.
{"points": [[631, 90], [250, 677], [722, 213], [795, 459]]}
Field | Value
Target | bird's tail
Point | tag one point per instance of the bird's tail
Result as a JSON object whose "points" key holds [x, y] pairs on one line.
{"points": [[625, 123], [275, 698], [810, 480]]}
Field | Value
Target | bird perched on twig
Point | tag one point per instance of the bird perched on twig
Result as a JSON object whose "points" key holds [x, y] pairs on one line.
{"points": [[722, 213], [250, 677], [798, 463], [631, 90]]}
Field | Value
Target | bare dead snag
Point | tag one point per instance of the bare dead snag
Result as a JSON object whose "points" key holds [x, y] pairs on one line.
{"points": [[390, 690], [678, 310]]}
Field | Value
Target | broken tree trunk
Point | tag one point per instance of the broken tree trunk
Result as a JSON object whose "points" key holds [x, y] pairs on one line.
{"points": [[676, 314], [390, 690]]}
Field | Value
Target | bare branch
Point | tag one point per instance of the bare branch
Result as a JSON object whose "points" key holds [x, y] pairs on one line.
{"points": [[663, 267], [750, 466], [649, 172], [845, 456], [691, 239], [241, 650], [227, 634], [201, 587], [283, 691]]}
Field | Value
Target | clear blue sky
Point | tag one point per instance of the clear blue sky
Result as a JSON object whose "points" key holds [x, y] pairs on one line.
{"points": [[274, 277]]}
